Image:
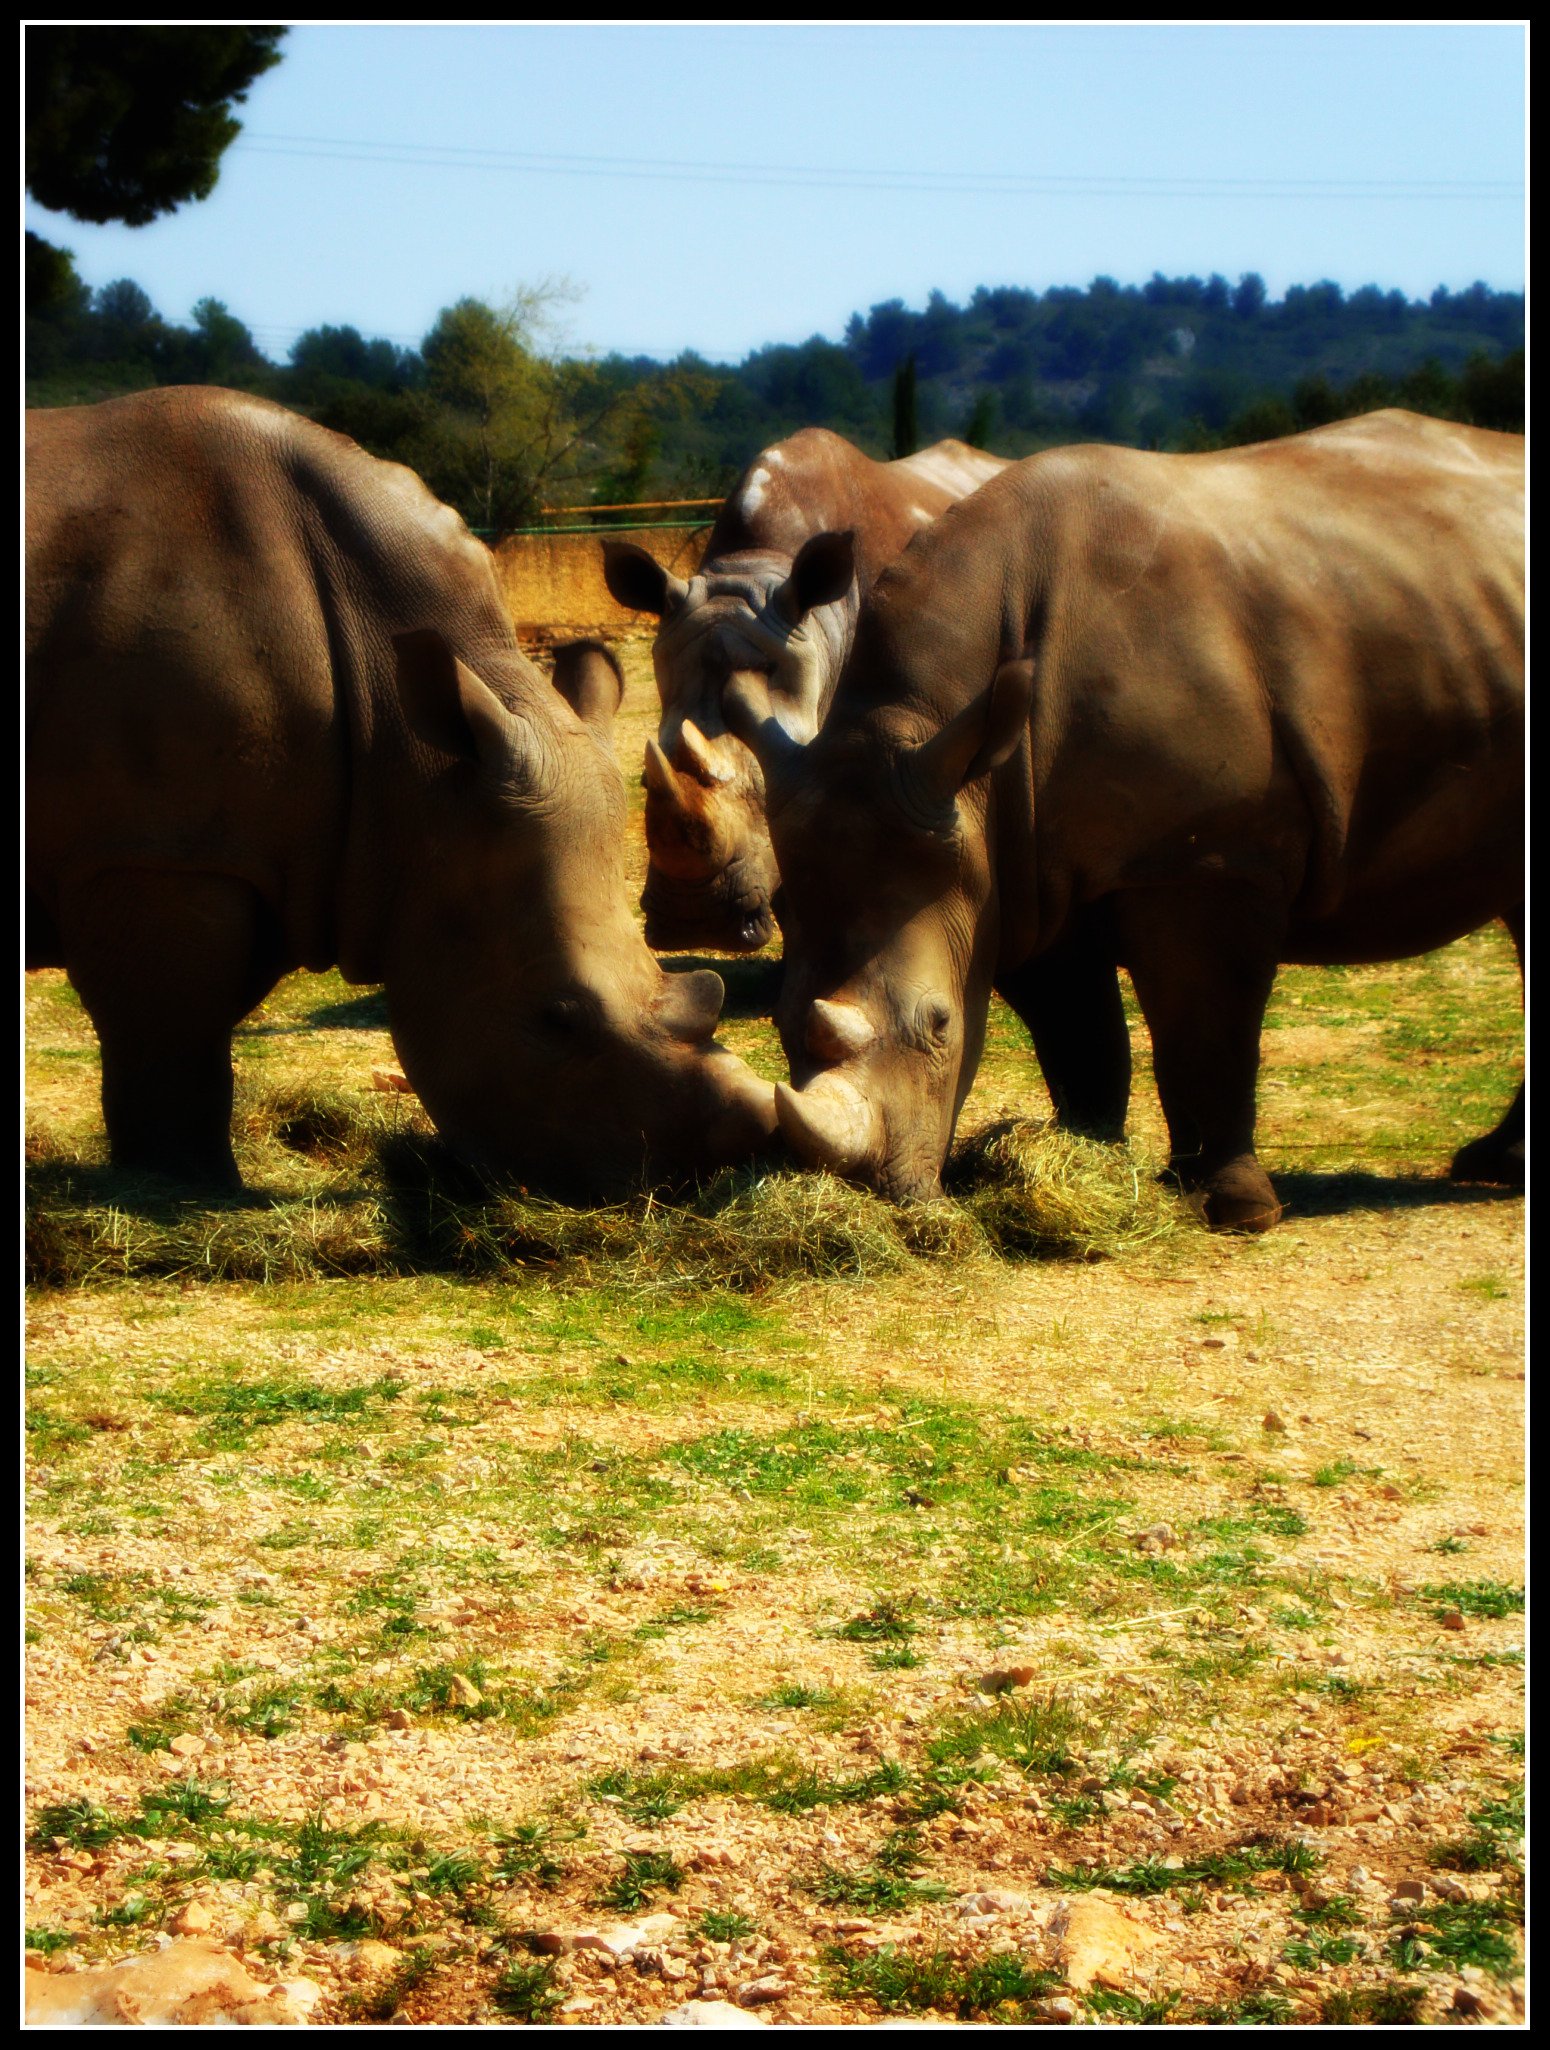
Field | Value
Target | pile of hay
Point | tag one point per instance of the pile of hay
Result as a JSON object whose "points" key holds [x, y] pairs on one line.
{"points": [[357, 1184], [1034, 1189]]}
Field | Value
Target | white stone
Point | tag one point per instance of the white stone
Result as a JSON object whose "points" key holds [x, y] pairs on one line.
{"points": [[711, 2014]]}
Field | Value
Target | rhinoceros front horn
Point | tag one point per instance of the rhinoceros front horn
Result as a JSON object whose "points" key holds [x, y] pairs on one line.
{"points": [[660, 775], [695, 751], [829, 1124]]}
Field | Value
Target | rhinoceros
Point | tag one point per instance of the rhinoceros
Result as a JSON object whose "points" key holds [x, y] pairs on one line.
{"points": [[276, 718], [711, 874], [1195, 715]]}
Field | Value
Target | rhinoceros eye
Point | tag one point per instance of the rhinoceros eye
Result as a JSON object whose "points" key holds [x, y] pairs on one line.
{"points": [[570, 1019], [936, 1017]]}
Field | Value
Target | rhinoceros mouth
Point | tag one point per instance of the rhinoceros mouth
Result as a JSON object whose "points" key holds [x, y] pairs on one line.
{"points": [[714, 913]]}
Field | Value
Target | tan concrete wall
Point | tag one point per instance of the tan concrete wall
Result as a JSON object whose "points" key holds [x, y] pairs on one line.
{"points": [[554, 582]]}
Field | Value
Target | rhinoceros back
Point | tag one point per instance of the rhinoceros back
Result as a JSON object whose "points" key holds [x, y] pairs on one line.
{"points": [[213, 584]]}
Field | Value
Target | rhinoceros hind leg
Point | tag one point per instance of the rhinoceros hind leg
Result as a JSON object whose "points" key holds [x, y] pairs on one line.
{"points": [[1203, 964], [165, 966]]}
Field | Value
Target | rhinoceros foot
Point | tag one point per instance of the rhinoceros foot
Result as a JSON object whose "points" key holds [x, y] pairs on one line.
{"points": [[1490, 1159], [1239, 1197]]}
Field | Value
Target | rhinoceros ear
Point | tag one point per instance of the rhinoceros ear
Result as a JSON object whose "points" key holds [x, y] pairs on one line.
{"points": [[587, 675], [822, 572], [972, 743], [445, 703], [637, 580]]}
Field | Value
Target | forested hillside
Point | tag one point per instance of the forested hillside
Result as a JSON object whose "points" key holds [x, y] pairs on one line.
{"points": [[501, 424]]}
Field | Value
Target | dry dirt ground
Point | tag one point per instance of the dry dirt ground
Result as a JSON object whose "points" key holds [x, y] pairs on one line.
{"points": [[1133, 1640]]}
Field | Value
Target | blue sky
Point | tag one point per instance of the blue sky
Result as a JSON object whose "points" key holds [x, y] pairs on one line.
{"points": [[381, 174]]}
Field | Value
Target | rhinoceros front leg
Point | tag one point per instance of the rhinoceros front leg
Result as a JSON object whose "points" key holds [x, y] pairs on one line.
{"points": [[165, 966], [1203, 965], [1499, 1156], [1069, 999]]}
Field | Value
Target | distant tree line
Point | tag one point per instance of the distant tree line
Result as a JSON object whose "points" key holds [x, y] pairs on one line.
{"points": [[499, 420]]}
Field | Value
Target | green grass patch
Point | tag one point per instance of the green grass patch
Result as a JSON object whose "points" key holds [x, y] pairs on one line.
{"points": [[725, 1925], [1393, 2006], [1489, 1598], [526, 1990], [645, 1873], [1447, 1935], [1230, 1869], [1003, 1987]]}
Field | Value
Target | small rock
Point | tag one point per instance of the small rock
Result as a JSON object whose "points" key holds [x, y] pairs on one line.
{"points": [[1467, 2001], [192, 1919], [1409, 1893], [1273, 1422], [1060, 2009], [758, 1992], [398, 1719], [187, 1746], [462, 1692], [368, 1957], [264, 1928], [1002, 1679], [1447, 1888], [711, 2014], [303, 1994], [1097, 1944], [1158, 1537]]}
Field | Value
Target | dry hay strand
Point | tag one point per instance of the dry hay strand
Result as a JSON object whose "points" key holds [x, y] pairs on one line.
{"points": [[744, 1230], [310, 1149], [355, 1184], [1034, 1189]]}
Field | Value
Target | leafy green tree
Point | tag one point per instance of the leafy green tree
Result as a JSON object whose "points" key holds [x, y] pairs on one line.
{"points": [[1492, 393], [224, 351], [981, 423], [125, 123], [906, 419], [52, 284]]}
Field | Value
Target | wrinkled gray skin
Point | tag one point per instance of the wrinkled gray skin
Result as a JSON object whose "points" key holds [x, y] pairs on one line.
{"points": [[277, 718], [1189, 715], [800, 540]]}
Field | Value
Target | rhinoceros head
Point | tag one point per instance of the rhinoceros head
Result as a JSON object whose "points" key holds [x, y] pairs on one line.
{"points": [[888, 913], [530, 1016], [712, 875]]}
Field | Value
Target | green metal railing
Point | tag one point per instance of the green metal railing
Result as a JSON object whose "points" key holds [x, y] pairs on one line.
{"points": [[622, 527]]}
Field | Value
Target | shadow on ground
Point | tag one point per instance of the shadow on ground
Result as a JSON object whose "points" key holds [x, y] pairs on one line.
{"points": [[366, 1013], [1307, 1194], [751, 985]]}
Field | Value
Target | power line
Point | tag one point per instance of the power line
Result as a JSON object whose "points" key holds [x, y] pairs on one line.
{"points": [[447, 156]]}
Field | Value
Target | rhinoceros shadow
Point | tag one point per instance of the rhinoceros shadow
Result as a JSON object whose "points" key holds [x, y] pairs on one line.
{"points": [[366, 1013], [1306, 1193], [751, 985]]}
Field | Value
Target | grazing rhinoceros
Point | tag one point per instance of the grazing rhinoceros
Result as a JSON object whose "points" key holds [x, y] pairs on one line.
{"points": [[711, 874], [277, 718], [1195, 715]]}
